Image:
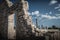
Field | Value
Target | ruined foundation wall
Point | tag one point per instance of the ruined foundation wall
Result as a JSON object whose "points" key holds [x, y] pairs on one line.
{"points": [[3, 20], [23, 27], [3, 24]]}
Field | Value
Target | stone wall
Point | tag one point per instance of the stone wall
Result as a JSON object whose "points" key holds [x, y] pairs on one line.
{"points": [[3, 20], [22, 21], [3, 24]]}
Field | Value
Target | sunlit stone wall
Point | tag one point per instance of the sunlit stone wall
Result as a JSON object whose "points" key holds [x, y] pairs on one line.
{"points": [[11, 30]]}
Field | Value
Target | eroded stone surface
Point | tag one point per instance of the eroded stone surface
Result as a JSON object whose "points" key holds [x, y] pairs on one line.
{"points": [[23, 21]]}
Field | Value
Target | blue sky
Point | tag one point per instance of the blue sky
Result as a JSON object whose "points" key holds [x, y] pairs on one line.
{"points": [[47, 10]]}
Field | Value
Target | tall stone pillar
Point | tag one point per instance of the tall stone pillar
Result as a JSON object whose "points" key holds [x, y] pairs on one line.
{"points": [[3, 20], [3, 24], [23, 28]]}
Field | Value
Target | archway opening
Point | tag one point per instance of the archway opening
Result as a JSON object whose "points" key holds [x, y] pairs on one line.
{"points": [[11, 27]]}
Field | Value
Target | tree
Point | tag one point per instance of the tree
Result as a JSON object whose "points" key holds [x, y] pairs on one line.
{"points": [[54, 27]]}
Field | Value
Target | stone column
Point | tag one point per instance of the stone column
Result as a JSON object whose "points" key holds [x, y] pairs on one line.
{"points": [[3, 20], [23, 28], [3, 24]]}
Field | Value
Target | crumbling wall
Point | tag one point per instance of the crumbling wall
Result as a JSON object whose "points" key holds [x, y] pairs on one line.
{"points": [[3, 24], [23, 28], [3, 20], [23, 21]]}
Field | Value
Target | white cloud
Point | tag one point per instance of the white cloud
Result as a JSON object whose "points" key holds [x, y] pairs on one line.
{"points": [[29, 13], [46, 13], [50, 12], [57, 14], [57, 7], [35, 13], [45, 16], [50, 17], [53, 2]]}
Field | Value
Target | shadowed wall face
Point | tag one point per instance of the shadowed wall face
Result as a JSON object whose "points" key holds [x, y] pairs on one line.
{"points": [[3, 25], [3, 20], [23, 26], [7, 20]]}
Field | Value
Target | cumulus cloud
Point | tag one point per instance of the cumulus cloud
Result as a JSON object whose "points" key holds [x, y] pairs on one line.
{"points": [[45, 16], [29, 13], [57, 7], [50, 12], [53, 2], [46, 13], [35, 13], [57, 14]]}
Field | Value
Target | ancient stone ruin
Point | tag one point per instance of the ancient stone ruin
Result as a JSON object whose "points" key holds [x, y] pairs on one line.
{"points": [[23, 22]]}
